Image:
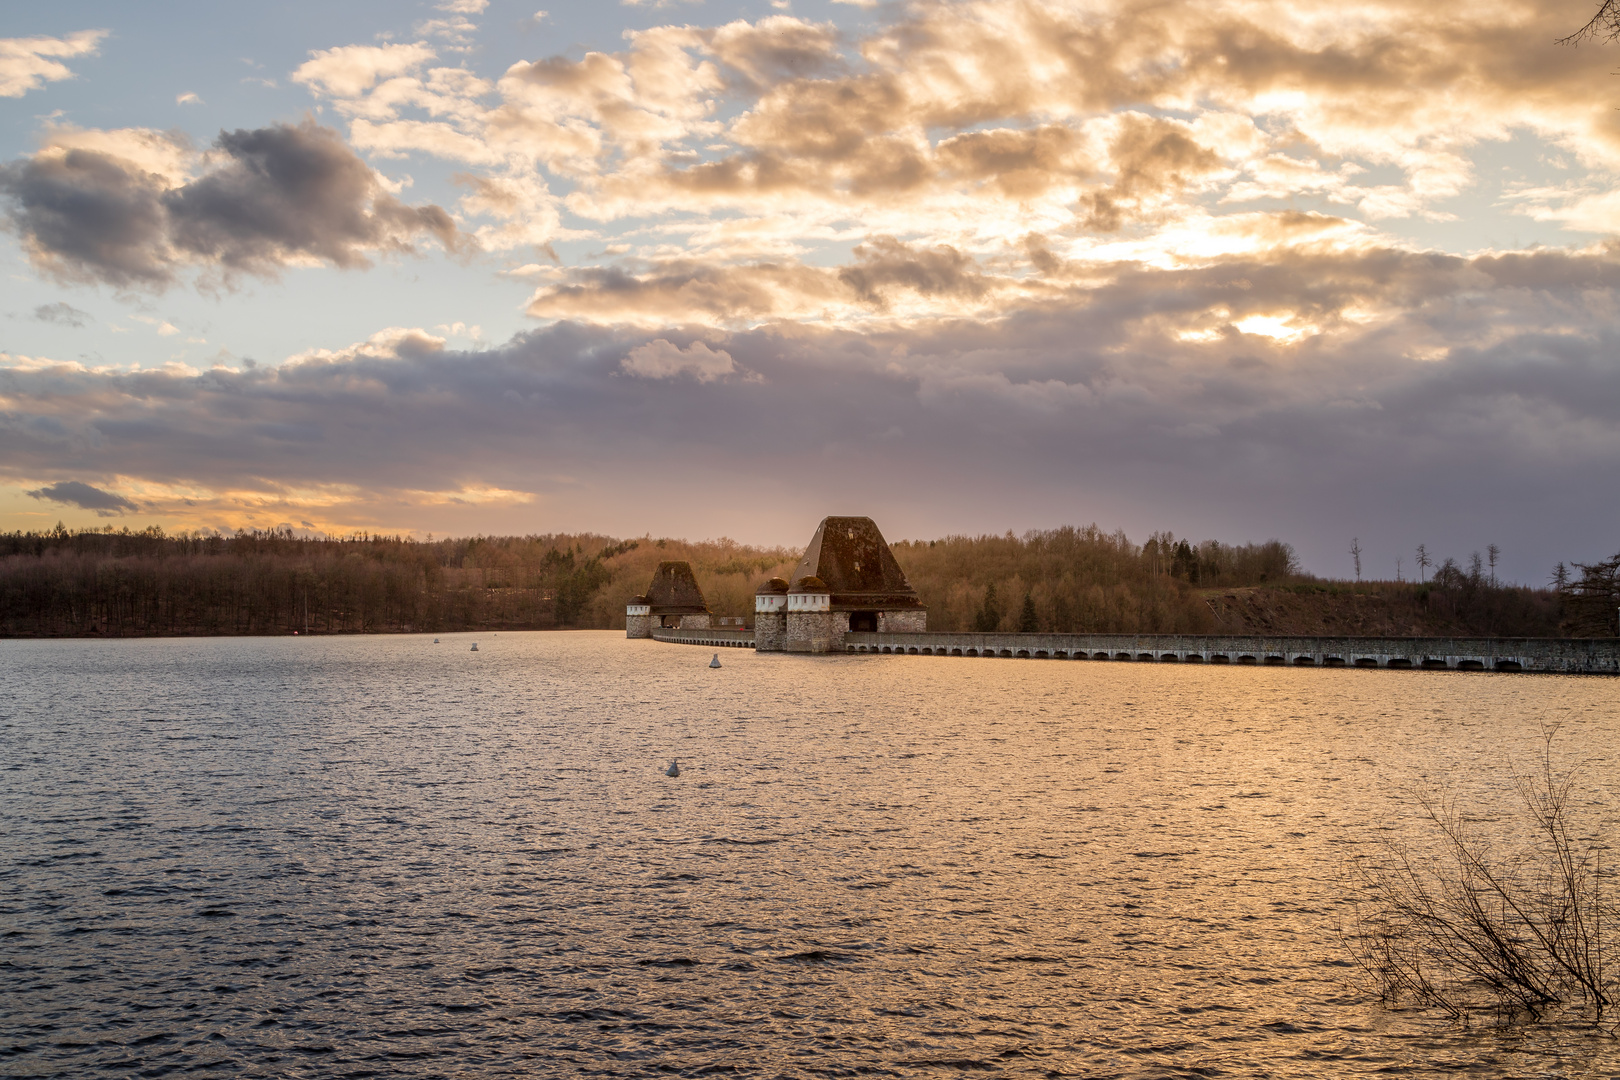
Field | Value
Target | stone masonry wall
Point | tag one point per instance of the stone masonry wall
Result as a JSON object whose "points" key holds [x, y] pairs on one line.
{"points": [[770, 631], [638, 626], [1594, 656], [809, 631], [902, 622]]}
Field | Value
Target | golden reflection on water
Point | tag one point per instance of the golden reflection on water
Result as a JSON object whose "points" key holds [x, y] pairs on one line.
{"points": [[417, 860]]}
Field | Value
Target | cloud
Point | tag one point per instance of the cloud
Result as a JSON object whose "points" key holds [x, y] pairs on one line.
{"points": [[28, 63], [1398, 381], [188, 98], [683, 291], [351, 70], [885, 264], [456, 31], [63, 314], [1111, 247], [74, 493], [1150, 155], [960, 122], [776, 48], [658, 359], [265, 199]]}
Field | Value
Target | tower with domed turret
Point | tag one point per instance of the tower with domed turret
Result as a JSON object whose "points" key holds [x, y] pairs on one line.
{"points": [[847, 581]]}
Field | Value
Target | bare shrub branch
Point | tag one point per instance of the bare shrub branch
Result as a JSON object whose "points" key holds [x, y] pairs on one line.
{"points": [[1464, 926]]}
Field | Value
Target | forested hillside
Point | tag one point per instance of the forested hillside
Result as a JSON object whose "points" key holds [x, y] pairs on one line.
{"points": [[1084, 580], [145, 583], [123, 583]]}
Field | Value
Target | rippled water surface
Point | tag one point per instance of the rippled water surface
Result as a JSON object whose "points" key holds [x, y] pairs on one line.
{"points": [[385, 857]]}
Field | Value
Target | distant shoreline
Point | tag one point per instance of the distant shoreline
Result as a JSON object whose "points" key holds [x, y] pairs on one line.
{"points": [[184, 635]]}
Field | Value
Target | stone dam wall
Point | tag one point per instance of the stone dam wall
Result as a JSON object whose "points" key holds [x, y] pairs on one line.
{"points": [[1577, 656], [717, 639], [1586, 656]]}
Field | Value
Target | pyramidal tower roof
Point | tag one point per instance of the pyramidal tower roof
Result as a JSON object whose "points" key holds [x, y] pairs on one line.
{"points": [[674, 591], [850, 555]]}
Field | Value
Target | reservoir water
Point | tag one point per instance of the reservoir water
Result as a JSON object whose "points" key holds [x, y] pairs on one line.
{"points": [[381, 857]]}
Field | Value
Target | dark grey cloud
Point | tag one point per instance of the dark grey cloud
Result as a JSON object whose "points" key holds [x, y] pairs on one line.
{"points": [[276, 194], [1483, 406], [63, 314], [82, 495], [87, 215], [884, 264]]}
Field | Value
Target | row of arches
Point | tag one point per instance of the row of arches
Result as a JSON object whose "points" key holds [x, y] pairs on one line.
{"points": [[690, 638], [1270, 659]]}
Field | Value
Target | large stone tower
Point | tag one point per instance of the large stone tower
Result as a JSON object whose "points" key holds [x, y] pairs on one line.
{"points": [[847, 581]]}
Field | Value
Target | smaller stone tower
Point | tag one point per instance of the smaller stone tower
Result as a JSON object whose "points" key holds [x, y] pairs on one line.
{"points": [[673, 600], [770, 615], [809, 617]]}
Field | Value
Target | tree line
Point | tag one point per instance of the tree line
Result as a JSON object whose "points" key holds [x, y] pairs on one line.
{"points": [[1083, 580], [274, 582], [1071, 579]]}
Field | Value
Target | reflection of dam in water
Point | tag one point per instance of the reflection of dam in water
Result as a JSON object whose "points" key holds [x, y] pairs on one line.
{"points": [[849, 595]]}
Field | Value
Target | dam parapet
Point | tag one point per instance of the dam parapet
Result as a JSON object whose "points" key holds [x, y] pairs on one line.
{"points": [[1584, 656], [712, 638]]}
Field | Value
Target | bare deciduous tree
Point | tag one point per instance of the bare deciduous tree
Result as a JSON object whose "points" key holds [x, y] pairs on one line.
{"points": [[1603, 26]]}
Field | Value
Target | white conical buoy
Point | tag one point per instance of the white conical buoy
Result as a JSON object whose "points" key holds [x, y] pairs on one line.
{"points": [[474, 648], [716, 661], [674, 768]]}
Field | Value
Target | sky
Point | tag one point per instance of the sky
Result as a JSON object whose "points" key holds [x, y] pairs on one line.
{"points": [[1324, 272]]}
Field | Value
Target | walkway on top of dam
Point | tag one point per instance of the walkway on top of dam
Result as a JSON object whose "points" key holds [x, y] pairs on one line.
{"points": [[1590, 656], [1586, 656], [718, 639]]}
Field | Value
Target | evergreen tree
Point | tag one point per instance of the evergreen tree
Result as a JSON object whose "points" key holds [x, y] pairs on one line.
{"points": [[1062, 617], [1028, 621], [988, 619]]}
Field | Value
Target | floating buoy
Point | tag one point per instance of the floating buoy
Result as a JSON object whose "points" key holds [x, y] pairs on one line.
{"points": [[716, 661], [435, 641], [474, 648], [674, 768]]}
